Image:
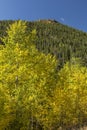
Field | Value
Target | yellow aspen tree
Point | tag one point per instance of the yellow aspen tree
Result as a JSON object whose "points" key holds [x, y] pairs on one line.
{"points": [[29, 78]]}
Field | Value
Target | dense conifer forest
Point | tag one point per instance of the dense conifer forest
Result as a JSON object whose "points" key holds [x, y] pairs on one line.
{"points": [[57, 39], [43, 76]]}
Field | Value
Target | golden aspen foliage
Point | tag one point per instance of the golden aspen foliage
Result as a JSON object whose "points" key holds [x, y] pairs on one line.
{"points": [[29, 78], [70, 96]]}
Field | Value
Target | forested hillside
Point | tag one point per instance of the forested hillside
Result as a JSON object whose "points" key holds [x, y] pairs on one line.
{"points": [[57, 39], [43, 76]]}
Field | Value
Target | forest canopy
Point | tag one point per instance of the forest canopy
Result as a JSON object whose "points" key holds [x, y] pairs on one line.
{"points": [[34, 94]]}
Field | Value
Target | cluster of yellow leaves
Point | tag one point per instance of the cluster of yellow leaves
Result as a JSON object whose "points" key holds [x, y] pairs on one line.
{"points": [[70, 95], [27, 75]]}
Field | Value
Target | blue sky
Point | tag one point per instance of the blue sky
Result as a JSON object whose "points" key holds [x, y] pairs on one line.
{"points": [[69, 12]]}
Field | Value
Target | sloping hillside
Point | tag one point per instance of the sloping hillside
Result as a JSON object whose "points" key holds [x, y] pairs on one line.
{"points": [[55, 38]]}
